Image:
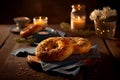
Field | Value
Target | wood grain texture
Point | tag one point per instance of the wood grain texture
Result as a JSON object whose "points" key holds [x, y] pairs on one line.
{"points": [[17, 68], [114, 47], [4, 34]]}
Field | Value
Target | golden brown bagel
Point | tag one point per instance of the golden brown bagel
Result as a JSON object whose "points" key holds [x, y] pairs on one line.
{"points": [[29, 30], [80, 45], [54, 49]]}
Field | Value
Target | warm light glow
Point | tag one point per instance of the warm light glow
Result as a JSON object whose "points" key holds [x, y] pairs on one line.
{"points": [[78, 23], [78, 6], [78, 17], [42, 21]]}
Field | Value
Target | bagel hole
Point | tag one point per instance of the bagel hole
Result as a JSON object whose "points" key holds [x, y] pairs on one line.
{"points": [[54, 46]]}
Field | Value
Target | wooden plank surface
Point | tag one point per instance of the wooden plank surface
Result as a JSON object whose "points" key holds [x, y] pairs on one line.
{"points": [[114, 47], [16, 68], [6, 42], [4, 33], [7, 48], [106, 69]]}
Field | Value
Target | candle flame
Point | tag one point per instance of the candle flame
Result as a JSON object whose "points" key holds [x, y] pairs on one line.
{"points": [[78, 18], [40, 18], [78, 6]]}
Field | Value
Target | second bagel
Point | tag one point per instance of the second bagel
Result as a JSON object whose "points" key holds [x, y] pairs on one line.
{"points": [[81, 46]]}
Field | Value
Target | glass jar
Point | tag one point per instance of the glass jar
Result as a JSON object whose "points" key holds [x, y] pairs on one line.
{"points": [[78, 17]]}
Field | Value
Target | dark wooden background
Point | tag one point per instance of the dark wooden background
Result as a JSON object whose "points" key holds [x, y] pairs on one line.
{"points": [[56, 10]]}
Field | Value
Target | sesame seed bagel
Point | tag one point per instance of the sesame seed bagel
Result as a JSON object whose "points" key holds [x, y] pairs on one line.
{"points": [[54, 49]]}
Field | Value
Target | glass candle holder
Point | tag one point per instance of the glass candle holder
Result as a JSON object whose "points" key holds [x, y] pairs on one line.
{"points": [[78, 17], [42, 21], [105, 29]]}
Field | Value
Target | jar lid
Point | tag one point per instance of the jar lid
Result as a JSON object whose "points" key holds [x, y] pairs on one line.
{"points": [[78, 6]]}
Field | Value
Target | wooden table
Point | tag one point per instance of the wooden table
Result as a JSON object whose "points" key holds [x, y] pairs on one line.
{"points": [[16, 68]]}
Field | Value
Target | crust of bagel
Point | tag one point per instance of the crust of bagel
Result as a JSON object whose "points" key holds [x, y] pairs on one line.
{"points": [[29, 30], [46, 51], [80, 45]]}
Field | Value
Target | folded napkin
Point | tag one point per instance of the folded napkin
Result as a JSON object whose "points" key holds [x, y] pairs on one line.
{"points": [[23, 52], [47, 32], [69, 67]]}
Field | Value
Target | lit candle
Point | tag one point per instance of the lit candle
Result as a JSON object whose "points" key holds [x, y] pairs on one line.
{"points": [[77, 23], [41, 21]]}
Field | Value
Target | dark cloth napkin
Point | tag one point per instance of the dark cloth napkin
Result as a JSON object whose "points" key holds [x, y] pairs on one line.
{"points": [[50, 33], [23, 52], [68, 67]]}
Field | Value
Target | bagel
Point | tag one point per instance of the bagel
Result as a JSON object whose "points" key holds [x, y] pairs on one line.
{"points": [[29, 30], [80, 45], [54, 49]]}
